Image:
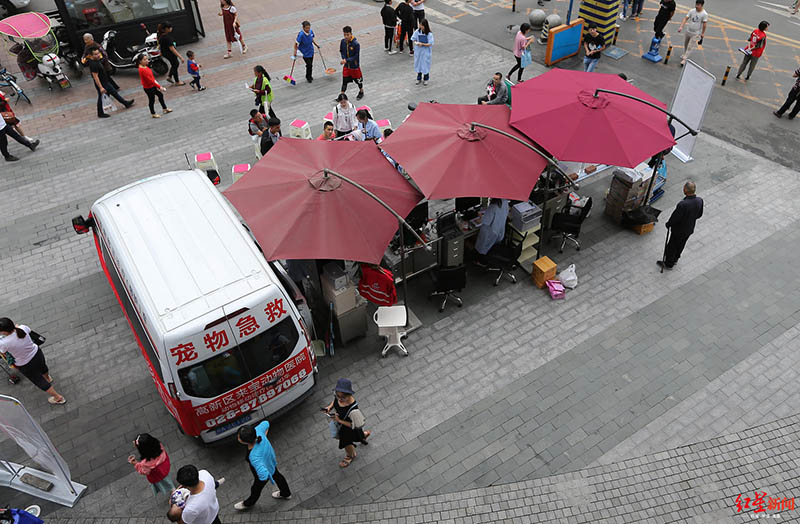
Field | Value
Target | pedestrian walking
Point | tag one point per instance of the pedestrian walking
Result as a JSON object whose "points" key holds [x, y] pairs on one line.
{"points": [[666, 10], [271, 137], [153, 463], [681, 225], [496, 91], [305, 44], [423, 38], [344, 116], [521, 43], [419, 9], [636, 9], [10, 126], [794, 97], [263, 91], [151, 88], [102, 83], [232, 26], [350, 50], [88, 43], [408, 24], [263, 465], [193, 68], [389, 19], [168, 51], [695, 22], [348, 419], [201, 506], [20, 351], [754, 49], [593, 45], [794, 7], [623, 12]]}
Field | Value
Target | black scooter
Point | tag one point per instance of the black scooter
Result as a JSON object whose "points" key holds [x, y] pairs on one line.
{"points": [[126, 58]]}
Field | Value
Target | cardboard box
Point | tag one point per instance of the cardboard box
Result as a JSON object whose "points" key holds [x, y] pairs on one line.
{"points": [[544, 269], [335, 275], [644, 228], [343, 299]]}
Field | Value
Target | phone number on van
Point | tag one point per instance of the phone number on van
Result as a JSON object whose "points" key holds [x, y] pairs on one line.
{"points": [[246, 398]]}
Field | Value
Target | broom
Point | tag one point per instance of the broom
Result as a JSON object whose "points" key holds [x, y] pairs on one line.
{"points": [[289, 77], [328, 70]]}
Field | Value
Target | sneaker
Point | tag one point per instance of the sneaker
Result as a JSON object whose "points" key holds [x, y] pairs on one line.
{"points": [[226, 55], [419, 81], [660, 263], [411, 52], [167, 110], [738, 77], [103, 115], [392, 52], [779, 115], [33, 145], [202, 89], [309, 80], [621, 16], [129, 103], [747, 78], [360, 95], [11, 158], [220, 481], [239, 506], [424, 82], [154, 115], [277, 495], [385, 49]]}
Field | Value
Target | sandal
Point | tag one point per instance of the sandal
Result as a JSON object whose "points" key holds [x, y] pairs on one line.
{"points": [[227, 55], [180, 83], [53, 400], [346, 462], [244, 50], [167, 110], [366, 436], [155, 116]]}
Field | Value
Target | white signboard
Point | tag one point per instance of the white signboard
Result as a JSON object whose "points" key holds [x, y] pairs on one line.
{"points": [[689, 104]]}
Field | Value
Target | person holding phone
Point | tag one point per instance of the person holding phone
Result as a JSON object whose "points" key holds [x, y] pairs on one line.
{"points": [[344, 411]]}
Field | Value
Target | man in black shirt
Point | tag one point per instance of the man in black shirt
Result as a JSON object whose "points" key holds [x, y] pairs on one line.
{"points": [[665, 12], [271, 137], [389, 18], [681, 225], [102, 83], [407, 24]]}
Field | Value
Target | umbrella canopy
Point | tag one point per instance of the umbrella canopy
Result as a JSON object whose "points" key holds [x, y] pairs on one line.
{"points": [[559, 111], [295, 211], [447, 159], [25, 25]]}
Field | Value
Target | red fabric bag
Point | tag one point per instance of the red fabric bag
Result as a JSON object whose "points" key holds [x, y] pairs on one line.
{"points": [[377, 285]]}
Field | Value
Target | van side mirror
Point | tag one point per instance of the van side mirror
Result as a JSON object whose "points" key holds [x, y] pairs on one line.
{"points": [[81, 225]]}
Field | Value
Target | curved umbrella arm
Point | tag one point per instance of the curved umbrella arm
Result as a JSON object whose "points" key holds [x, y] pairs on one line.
{"points": [[691, 131], [551, 161], [381, 202]]}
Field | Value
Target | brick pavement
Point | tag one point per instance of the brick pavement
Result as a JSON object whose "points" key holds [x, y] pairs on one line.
{"points": [[696, 483], [449, 372]]}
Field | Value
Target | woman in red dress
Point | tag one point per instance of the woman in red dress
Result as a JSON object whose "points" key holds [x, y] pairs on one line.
{"points": [[233, 31]]}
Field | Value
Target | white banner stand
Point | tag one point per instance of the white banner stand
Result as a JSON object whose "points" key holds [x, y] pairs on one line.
{"points": [[690, 103], [17, 423]]}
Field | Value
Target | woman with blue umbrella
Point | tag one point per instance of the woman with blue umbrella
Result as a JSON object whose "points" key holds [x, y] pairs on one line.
{"points": [[423, 42]]}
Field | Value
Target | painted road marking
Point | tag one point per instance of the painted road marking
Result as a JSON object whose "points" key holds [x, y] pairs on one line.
{"points": [[441, 17], [458, 4]]}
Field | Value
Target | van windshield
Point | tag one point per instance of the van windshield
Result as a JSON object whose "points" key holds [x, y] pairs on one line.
{"points": [[225, 371]]}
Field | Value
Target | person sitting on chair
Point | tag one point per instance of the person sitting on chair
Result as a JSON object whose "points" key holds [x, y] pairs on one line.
{"points": [[493, 228]]}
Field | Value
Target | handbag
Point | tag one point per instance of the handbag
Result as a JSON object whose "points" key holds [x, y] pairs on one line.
{"points": [[37, 338], [526, 59], [9, 118], [334, 427]]}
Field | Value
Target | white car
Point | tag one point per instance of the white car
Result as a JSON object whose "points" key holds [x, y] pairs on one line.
{"points": [[12, 7]]}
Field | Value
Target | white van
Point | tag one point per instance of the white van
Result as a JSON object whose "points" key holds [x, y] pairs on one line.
{"points": [[222, 336]]}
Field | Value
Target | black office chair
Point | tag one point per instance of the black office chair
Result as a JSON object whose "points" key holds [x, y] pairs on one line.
{"points": [[449, 281], [569, 225], [503, 258]]}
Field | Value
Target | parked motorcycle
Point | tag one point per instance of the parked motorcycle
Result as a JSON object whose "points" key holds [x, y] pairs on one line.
{"points": [[71, 56], [36, 48], [126, 58]]}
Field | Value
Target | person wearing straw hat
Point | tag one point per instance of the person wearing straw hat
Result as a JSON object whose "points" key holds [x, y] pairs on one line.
{"points": [[345, 413]]}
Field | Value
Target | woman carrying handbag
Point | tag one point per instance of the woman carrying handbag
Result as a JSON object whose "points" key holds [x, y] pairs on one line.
{"points": [[20, 351], [522, 52], [348, 421]]}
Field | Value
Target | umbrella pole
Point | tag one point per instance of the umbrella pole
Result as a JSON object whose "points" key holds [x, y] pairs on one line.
{"points": [[403, 268]]}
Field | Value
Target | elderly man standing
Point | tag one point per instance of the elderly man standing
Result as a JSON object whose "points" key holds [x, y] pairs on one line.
{"points": [[681, 225], [496, 91]]}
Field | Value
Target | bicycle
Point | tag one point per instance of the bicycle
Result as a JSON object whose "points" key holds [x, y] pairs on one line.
{"points": [[9, 80]]}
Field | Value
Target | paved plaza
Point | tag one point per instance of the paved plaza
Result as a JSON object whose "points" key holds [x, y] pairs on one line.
{"points": [[642, 397]]}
